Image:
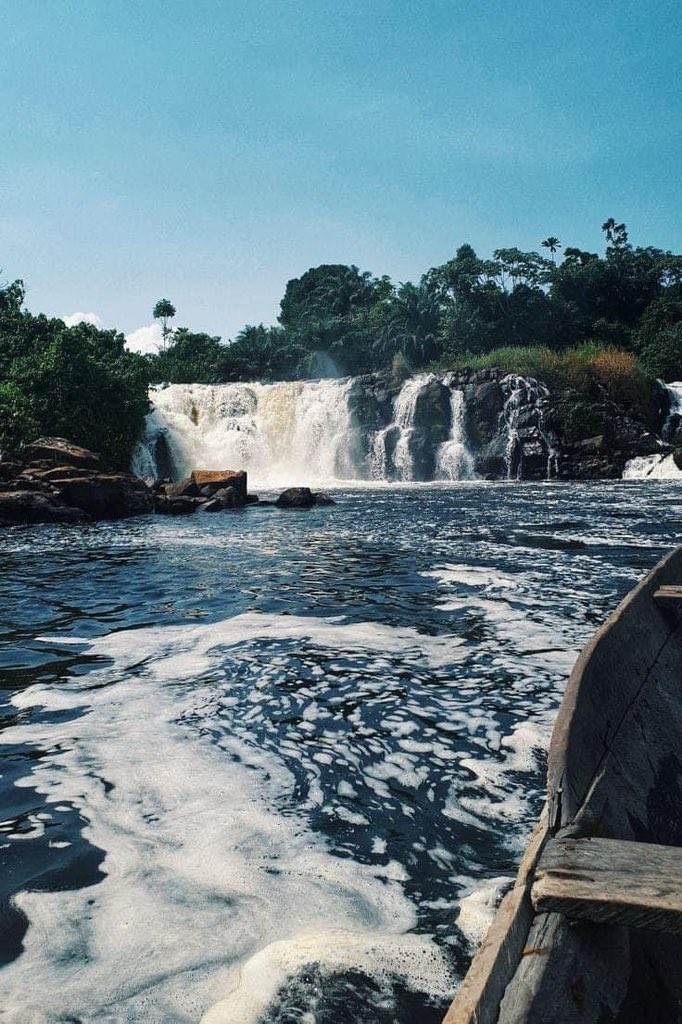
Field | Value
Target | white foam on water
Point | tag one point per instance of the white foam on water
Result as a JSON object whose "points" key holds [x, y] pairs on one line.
{"points": [[202, 872], [477, 908], [414, 959]]}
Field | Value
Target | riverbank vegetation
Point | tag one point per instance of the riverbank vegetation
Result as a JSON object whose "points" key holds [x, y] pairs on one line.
{"points": [[337, 320], [77, 382], [568, 316]]}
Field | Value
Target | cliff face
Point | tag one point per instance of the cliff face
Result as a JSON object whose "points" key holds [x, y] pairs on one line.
{"points": [[518, 428]]}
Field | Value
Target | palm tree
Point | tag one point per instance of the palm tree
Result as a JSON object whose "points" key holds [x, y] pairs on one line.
{"points": [[552, 244], [608, 227], [413, 324]]}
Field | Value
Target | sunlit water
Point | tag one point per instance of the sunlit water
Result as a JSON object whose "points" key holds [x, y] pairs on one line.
{"points": [[277, 766]]}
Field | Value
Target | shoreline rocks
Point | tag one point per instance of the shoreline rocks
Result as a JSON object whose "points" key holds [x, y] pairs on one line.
{"points": [[54, 481]]}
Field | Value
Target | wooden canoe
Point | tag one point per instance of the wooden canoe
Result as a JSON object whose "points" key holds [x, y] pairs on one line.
{"points": [[591, 932]]}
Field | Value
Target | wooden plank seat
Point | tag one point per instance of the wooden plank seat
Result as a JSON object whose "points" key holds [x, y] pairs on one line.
{"points": [[671, 592], [611, 880]]}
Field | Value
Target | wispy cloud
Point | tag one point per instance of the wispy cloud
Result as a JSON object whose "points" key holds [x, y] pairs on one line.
{"points": [[145, 339], [82, 318]]}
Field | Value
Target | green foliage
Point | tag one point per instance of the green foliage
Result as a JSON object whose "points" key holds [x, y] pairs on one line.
{"points": [[586, 321], [75, 382], [164, 310]]}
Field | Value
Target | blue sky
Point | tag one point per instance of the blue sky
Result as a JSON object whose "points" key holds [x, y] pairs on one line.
{"points": [[208, 151]]}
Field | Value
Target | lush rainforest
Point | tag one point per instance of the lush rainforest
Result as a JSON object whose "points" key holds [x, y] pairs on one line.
{"points": [[542, 311]]}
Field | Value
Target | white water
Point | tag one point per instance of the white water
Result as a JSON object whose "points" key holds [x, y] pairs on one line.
{"points": [[659, 466], [454, 461], [293, 432], [288, 433], [521, 393]]}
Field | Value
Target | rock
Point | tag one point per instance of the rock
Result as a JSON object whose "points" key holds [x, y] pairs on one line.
{"points": [[163, 460], [302, 497], [186, 488], [9, 469], [252, 499], [221, 478], [677, 457], [228, 497], [58, 451], [296, 497], [55, 473], [180, 506], [211, 505], [106, 495], [19, 507]]}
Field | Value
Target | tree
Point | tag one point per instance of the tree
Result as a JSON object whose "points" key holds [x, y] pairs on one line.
{"points": [[413, 325], [552, 244], [164, 310]]}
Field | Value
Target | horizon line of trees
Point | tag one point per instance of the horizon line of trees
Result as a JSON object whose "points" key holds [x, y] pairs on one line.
{"points": [[336, 320]]}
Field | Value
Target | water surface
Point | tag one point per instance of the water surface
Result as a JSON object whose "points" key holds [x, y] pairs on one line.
{"points": [[282, 763]]}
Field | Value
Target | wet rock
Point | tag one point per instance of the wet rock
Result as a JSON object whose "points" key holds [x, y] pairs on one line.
{"points": [[179, 506], [221, 478], [106, 495], [302, 497], [22, 507], [677, 457], [9, 468], [58, 451], [186, 488]]}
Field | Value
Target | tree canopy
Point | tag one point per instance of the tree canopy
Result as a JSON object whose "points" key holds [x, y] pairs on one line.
{"points": [[337, 320]]}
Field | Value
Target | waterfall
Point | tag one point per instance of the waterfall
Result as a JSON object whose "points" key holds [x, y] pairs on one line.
{"points": [[454, 461], [303, 432], [661, 466], [527, 437], [404, 409], [674, 418], [292, 432]]}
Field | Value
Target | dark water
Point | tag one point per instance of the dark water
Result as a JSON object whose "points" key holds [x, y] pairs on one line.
{"points": [[287, 761]]}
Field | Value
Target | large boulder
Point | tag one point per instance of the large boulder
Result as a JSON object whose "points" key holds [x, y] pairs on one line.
{"points": [[106, 495], [24, 506], [302, 497], [57, 451], [186, 488], [180, 506], [221, 478]]}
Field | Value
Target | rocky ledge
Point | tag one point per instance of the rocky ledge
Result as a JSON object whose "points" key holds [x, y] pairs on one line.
{"points": [[54, 481]]}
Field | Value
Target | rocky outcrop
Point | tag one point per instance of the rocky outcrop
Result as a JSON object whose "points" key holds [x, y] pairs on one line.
{"points": [[57, 451], [54, 481], [22, 506]]}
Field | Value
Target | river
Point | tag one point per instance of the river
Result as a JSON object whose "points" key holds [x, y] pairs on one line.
{"points": [[277, 767]]}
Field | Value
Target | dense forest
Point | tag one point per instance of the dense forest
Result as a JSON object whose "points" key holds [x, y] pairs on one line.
{"points": [[529, 311]]}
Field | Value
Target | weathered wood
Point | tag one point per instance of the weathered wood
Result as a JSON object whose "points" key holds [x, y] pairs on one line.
{"points": [[670, 592], [609, 880], [478, 999]]}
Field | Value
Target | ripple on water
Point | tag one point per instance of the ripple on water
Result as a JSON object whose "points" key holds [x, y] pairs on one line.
{"points": [[284, 765]]}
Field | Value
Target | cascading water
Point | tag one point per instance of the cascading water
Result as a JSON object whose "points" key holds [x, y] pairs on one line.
{"points": [[286, 433], [523, 415], [454, 461], [661, 466], [299, 432]]}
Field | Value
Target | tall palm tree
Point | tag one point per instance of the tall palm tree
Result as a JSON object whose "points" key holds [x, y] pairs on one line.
{"points": [[552, 244], [608, 227]]}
